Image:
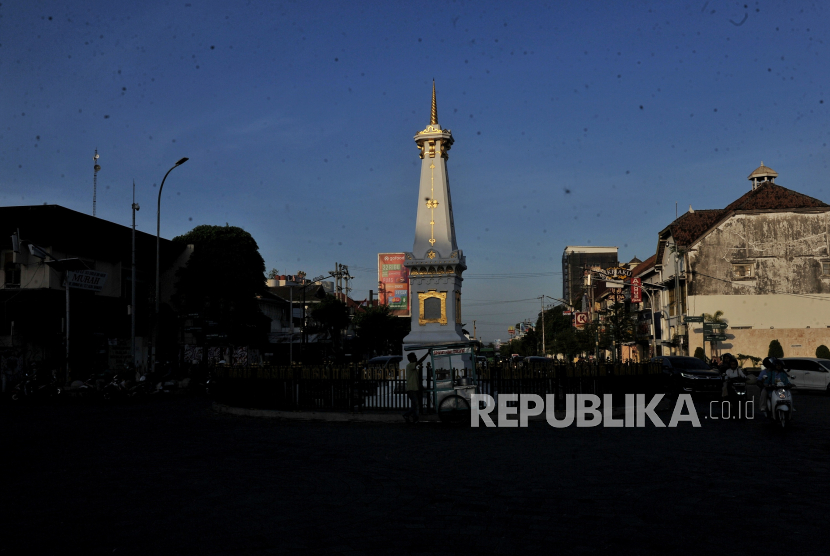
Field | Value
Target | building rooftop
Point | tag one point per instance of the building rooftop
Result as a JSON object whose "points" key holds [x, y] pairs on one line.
{"points": [[767, 196], [644, 266], [771, 196], [589, 249]]}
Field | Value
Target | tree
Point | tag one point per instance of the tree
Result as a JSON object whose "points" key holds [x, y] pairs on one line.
{"points": [[775, 349], [822, 352], [379, 332], [273, 273], [619, 328], [742, 359], [333, 316], [717, 316], [221, 281], [561, 337], [700, 354]]}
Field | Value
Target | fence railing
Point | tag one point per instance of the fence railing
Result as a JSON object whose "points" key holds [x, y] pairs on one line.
{"points": [[354, 387]]}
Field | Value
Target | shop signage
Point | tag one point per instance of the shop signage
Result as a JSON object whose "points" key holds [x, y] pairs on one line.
{"points": [[616, 273], [636, 290], [90, 280]]}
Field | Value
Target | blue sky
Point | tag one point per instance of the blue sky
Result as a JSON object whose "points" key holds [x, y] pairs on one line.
{"points": [[575, 122]]}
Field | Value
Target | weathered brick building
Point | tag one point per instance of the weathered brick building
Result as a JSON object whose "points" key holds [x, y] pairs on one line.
{"points": [[764, 261]]}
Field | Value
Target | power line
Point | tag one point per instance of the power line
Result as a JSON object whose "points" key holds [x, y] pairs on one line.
{"points": [[480, 302]]}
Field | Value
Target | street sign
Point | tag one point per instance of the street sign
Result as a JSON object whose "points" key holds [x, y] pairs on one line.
{"points": [[714, 337], [690, 318], [714, 326], [567, 312], [90, 280], [580, 319], [614, 283]]}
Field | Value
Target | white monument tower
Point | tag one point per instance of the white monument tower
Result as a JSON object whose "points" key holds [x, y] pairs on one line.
{"points": [[435, 263]]}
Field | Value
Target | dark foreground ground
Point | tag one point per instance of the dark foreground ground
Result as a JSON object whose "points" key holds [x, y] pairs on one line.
{"points": [[171, 476]]}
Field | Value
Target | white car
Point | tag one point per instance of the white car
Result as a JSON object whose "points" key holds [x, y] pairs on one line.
{"points": [[808, 373]]}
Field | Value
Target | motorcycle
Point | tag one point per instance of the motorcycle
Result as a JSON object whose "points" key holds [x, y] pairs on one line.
{"points": [[114, 389], [140, 388], [779, 403], [30, 387], [736, 389]]}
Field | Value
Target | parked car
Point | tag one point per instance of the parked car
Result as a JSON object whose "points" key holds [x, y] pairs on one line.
{"points": [[536, 360], [808, 373], [689, 374]]}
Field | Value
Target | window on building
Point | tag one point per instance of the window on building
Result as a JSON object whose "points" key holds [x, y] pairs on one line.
{"points": [[742, 271], [825, 268], [673, 303], [11, 270]]}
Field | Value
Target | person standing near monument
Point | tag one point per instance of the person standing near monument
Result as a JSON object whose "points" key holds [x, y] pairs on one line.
{"points": [[413, 387]]}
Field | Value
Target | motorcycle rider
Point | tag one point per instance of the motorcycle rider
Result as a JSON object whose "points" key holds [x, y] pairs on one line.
{"points": [[773, 372], [734, 371]]}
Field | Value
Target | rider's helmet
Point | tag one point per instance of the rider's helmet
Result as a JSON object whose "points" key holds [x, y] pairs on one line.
{"points": [[768, 362]]}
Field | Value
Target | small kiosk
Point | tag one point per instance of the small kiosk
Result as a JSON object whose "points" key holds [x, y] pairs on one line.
{"points": [[452, 377]]}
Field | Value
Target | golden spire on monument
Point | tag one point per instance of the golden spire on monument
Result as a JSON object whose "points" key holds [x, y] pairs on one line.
{"points": [[433, 119], [433, 139]]}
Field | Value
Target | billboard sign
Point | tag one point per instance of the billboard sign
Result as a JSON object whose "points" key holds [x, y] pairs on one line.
{"points": [[393, 283], [90, 280], [581, 319]]}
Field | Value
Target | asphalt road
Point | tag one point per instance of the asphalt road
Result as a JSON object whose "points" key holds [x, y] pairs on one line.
{"points": [[171, 476]]}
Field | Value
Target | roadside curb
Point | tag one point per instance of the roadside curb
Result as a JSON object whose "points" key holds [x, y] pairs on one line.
{"points": [[328, 416], [347, 417]]}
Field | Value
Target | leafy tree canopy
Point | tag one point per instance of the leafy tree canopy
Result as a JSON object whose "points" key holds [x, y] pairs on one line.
{"points": [[822, 352], [379, 332], [221, 280], [775, 349], [333, 316]]}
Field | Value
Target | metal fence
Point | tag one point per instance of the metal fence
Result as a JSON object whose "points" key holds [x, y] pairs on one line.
{"points": [[355, 388]]}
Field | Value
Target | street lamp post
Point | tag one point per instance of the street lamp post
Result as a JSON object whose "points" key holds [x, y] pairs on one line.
{"points": [[132, 291], [158, 257]]}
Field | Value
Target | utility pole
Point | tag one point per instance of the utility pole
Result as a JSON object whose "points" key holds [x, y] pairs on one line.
{"points": [[677, 304], [95, 180], [132, 290], [291, 320], [542, 301]]}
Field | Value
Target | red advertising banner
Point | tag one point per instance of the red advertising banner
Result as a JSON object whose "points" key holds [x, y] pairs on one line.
{"points": [[636, 290], [393, 283]]}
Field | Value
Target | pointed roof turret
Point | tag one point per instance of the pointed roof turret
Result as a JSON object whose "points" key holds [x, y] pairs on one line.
{"points": [[433, 117]]}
